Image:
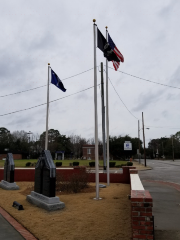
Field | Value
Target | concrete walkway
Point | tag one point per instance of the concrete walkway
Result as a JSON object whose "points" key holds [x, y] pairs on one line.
{"points": [[163, 183], [166, 210], [10, 229], [7, 232]]}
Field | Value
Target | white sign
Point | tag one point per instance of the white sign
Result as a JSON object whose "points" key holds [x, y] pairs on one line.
{"points": [[127, 145]]}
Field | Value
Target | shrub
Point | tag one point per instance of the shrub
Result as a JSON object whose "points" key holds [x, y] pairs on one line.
{"points": [[92, 164], [28, 164], [58, 164], [129, 163], [112, 164], [73, 183], [75, 163]]}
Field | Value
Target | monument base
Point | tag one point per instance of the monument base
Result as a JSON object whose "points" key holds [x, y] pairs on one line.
{"points": [[8, 186], [50, 204]]}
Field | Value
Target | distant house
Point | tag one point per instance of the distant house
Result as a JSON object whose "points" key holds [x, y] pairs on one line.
{"points": [[89, 152]]}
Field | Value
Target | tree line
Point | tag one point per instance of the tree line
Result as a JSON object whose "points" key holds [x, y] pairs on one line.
{"points": [[31, 145]]}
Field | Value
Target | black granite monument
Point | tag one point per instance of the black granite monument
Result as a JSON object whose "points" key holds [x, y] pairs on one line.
{"points": [[44, 194], [9, 167], [45, 175]]}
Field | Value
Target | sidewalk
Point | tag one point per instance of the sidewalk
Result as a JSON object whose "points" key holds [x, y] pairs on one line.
{"points": [[166, 208], [10, 229]]}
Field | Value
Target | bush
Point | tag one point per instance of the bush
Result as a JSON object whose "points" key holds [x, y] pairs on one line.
{"points": [[73, 183], [58, 164], [129, 163], [120, 166], [28, 164], [75, 163], [112, 164], [92, 164]]}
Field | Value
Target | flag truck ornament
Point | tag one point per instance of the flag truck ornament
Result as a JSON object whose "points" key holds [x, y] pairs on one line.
{"points": [[116, 64], [127, 145]]}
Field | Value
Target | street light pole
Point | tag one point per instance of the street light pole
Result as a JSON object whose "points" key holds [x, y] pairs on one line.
{"points": [[144, 141]]}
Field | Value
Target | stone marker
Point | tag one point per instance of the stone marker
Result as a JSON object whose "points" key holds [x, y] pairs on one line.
{"points": [[8, 182], [44, 194]]}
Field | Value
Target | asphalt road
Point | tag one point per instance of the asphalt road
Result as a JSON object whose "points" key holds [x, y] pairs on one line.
{"points": [[166, 199]]}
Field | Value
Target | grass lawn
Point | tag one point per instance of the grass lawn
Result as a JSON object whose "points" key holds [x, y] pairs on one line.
{"points": [[65, 163]]}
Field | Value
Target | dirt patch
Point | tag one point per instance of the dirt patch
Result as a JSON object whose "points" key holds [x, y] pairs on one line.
{"points": [[82, 218]]}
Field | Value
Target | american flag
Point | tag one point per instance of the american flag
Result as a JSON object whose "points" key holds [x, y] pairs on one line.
{"points": [[116, 51]]}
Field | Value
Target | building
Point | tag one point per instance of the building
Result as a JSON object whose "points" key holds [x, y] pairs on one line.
{"points": [[89, 152], [15, 156]]}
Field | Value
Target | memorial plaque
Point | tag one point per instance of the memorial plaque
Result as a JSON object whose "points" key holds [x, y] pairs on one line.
{"points": [[9, 168], [45, 175]]}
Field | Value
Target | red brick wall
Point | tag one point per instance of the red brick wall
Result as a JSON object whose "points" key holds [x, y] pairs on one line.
{"points": [[21, 175], [15, 156], [141, 214]]}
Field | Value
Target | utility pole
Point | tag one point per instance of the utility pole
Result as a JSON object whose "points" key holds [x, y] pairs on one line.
{"points": [[139, 142], [163, 150], [144, 141], [103, 118], [173, 147]]}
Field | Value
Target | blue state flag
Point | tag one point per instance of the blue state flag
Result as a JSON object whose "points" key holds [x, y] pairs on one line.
{"points": [[56, 81]]}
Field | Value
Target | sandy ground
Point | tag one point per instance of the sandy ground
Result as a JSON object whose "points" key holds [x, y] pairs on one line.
{"points": [[83, 217]]}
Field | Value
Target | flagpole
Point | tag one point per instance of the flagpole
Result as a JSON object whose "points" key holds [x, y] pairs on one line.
{"points": [[107, 116], [47, 110], [96, 116]]}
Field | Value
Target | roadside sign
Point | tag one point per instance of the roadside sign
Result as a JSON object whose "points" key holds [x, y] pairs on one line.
{"points": [[127, 145]]}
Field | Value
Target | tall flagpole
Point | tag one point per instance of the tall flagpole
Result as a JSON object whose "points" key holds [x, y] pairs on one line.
{"points": [[96, 116], [47, 110], [107, 116]]}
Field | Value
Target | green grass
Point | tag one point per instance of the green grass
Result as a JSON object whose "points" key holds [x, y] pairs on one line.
{"points": [[65, 163]]}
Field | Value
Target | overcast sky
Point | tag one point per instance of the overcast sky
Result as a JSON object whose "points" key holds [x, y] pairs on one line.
{"points": [[35, 33]]}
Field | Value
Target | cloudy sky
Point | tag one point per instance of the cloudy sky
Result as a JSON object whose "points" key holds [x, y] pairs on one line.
{"points": [[35, 33]]}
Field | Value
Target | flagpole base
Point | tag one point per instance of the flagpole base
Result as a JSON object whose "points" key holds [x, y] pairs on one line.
{"points": [[97, 198]]}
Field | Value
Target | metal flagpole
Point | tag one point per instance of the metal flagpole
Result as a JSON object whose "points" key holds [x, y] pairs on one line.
{"points": [[107, 116], [96, 116], [47, 111], [103, 119]]}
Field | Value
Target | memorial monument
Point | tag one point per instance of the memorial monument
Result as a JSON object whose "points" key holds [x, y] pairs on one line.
{"points": [[9, 167], [44, 194]]}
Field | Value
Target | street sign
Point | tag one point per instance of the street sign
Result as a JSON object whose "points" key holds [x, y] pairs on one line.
{"points": [[127, 145]]}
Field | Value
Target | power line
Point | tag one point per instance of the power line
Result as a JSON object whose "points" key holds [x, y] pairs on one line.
{"points": [[46, 103], [163, 127], [122, 100], [44, 85], [165, 85]]}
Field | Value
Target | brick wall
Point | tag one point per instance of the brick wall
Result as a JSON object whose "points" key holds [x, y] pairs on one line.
{"points": [[15, 156], [141, 215], [27, 174]]}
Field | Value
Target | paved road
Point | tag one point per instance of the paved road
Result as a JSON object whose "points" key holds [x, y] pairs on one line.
{"points": [[166, 199], [162, 170]]}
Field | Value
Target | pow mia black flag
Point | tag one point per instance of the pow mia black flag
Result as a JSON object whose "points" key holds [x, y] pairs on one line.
{"points": [[103, 45]]}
